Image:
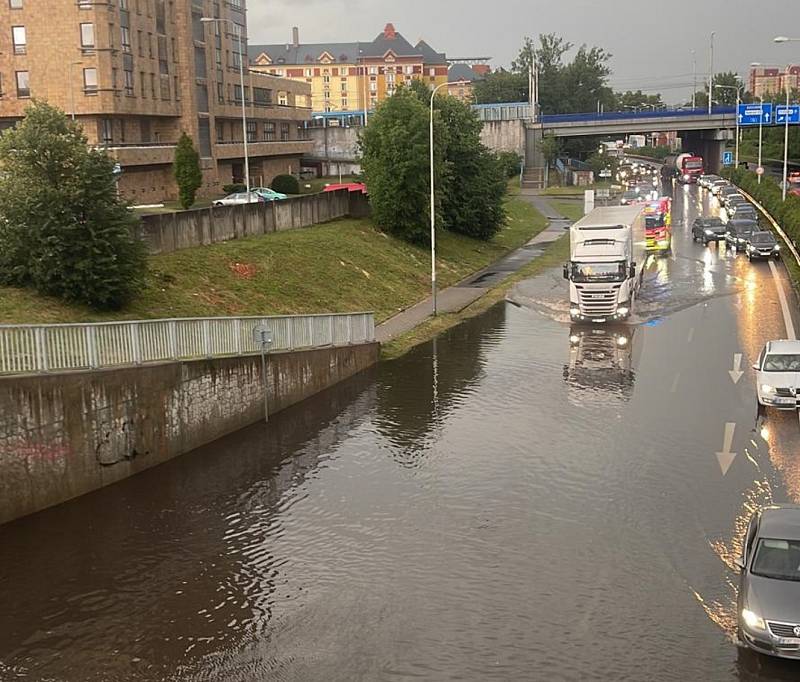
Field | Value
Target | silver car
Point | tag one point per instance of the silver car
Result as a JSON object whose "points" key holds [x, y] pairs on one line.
{"points": [[769, 587], [778, 375], [238, 198]]}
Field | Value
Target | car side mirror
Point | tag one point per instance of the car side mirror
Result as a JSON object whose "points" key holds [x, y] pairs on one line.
{"points": [[566, 271], [739, 561], [757, 368]]}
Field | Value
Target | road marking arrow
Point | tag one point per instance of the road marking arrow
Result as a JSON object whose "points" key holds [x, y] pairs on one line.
{"points": [[726, 457], [737, 372]]}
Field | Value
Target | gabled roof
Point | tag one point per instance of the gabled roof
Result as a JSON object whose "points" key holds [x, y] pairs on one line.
{"points": [[386, 41], [431, 56], [342, 53], [462, 72]]}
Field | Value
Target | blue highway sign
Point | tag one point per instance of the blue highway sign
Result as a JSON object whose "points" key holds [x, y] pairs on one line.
{"points": [[793, 111], [753, 114], [727, 158]]}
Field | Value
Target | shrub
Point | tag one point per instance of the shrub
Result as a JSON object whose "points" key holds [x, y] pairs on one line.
{"points": [[510, 162], [234, 188], [286, 184]]}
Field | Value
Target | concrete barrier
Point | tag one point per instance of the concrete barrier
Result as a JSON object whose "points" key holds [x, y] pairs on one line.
{"points": [[64, 435], [167, 232]]}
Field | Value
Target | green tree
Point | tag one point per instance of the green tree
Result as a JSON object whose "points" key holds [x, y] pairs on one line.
{"points": [[723, 96], [395, 160], [186, 169], [63, 230], [637, 100], [501, 86]]}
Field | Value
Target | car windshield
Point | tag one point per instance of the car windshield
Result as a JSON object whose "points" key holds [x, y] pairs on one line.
{"points": [[777, 559], [714, 222], [630, 194], [782, 363], [598, 272], [763, 239]]}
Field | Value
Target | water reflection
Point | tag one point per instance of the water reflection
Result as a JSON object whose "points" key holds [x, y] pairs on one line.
{"points": [[602, 359]]}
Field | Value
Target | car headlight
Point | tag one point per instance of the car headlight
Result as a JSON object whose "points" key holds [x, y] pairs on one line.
{"points": [[777, 247], [622, 341], [709, 232], [766, 389], [752, 620], [574, 339]]}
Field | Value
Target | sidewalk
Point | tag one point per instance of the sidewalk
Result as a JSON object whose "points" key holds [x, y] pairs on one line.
{"points": [[456, 298]]}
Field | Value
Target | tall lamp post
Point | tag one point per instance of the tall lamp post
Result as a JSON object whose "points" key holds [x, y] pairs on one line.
{"points": [[694, 79], [738, 89], [785, 185], [242, 57], [711, 73]]}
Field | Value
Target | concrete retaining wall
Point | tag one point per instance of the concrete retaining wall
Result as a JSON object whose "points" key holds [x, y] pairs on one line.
{"points": [[167, 232], [65, 435], [504, 136]]}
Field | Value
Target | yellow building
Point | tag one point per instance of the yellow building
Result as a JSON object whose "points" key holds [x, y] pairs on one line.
{"points": [[347, 77]]}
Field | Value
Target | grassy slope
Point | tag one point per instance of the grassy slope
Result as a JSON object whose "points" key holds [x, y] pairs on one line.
{"points": [[569, 209], [342, 266]]}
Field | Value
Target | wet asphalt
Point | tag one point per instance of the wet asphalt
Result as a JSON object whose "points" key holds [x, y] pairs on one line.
{"points": [[502, 503]]}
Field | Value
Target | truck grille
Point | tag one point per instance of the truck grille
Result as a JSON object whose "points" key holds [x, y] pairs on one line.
{"points": [[783, 630], [598, 302]]}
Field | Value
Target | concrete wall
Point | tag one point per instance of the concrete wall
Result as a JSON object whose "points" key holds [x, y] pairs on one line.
{"points": [[504, 136], [65, 435], [167, 232]]}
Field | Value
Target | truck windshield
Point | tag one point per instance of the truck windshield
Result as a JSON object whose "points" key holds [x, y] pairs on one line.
{"points": [[693, 165], [598, 272], [654, 221]]}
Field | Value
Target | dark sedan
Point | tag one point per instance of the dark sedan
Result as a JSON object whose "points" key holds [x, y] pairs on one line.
{"points": [[739, 232], [762, 245], [708, 230]]}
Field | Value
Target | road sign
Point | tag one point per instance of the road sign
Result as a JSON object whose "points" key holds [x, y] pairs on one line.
{"points": [[727, 158], [793, 112], [603, 194], [753, 114], [262, 335], [760, 170]]}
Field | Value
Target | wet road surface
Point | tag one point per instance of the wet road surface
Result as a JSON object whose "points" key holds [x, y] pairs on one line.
{"points": [[517, 500]]}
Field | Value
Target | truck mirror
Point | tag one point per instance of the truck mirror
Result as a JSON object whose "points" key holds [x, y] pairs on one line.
{"points": [[566, 270], [633, 270]]}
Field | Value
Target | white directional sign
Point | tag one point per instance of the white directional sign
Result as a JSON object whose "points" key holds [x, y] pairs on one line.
{"points": [[753, 114], [792, 112]]}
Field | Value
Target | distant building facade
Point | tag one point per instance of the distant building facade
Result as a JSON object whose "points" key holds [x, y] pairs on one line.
{"points": [[462, 79], [772, 80], [347, 77], [136, 73]]}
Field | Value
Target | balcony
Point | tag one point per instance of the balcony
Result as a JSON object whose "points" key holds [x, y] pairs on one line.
{"points": [[142, 153], [235, 150]]}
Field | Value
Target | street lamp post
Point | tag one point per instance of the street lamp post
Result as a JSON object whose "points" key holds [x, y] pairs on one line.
{"points": [[242, 53], [72, 87], [785, 185], [694, 79], [760, 137], [433, 207], [711, 73], [738, 89]]}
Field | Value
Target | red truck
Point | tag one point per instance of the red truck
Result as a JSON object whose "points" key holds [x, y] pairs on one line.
{"points": [[685, 167]]}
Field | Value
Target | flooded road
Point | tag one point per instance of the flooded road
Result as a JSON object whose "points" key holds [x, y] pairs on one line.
{"points": [[519, 499]]}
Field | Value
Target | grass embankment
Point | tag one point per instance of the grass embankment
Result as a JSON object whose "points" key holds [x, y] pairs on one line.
{"points": [[574, 191], [569, 209], [343, 266]]}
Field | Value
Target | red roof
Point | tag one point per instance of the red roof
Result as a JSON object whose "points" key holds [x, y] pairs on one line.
{"points": [[350, 187]]}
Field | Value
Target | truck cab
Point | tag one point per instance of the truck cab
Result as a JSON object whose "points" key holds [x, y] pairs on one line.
{"points": [[658, 225]]}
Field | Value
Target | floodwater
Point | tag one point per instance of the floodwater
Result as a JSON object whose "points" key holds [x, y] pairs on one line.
{"points": [[518, 499]]}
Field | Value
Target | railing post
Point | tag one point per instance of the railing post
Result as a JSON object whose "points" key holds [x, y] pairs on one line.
{"points": [[172, 331], [136, 343], [91, 345], [289, 334], [42, 363], [207, 338], [310, 331], [330, 329], [349, 330], [237, 330]]}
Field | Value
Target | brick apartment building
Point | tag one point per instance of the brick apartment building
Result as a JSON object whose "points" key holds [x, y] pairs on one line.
{"points": [[135, 73], [351, 76], [771, 81]]}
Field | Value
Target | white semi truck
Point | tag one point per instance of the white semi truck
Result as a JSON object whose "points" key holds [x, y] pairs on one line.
{"points": [[607, 260]]}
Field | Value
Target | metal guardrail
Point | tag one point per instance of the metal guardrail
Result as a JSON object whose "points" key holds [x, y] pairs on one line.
{"points": [[514, 111], [774, 224], [63, 347]]}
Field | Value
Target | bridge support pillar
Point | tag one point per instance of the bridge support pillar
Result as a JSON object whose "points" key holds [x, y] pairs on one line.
{"points": [[534, 137], [708, 144]]}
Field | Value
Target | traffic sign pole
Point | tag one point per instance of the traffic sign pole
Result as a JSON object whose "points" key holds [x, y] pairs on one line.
{"points": [[760, 141]]}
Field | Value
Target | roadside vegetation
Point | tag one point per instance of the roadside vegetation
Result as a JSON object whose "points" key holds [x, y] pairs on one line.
{"points": [[341, 266]]}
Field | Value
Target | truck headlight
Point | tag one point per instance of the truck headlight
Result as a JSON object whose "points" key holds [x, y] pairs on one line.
{"points": [[766, 389], [622, 311], [622, 341], [687, 177], [752, 620], [574, 312]]}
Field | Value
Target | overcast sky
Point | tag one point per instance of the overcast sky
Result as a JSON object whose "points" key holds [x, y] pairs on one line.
{"points": [[651, 40]]}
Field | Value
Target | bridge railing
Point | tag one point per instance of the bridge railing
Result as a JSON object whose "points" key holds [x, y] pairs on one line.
{"points": [[514, 111], [64, 347]]}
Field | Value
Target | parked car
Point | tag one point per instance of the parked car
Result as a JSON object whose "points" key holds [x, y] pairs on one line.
{"points": [[705, 181], [769, 584], [745, 210], [238, 198], [725, 192], [709, 230], [762, 245], [739, 231], [734, 200], [718, 185], [778, 379], [267, 194]]}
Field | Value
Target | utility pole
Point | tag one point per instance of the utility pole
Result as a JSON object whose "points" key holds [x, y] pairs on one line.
{"points": [[711, 73], [694, 79]]}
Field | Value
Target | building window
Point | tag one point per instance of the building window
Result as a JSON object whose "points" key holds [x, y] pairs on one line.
{"points": [[153, 85], [23, 84], [200, 67], [150, 44], [90, 81], [140, 43], [204, 137], [15, 4], [198, 28], [142, 85], [106, 131], [284, 132], [87, 36], [128, 83], [220, 92], [269, 131], [252, 128], [125, 34], [202, 97], [19, 39], [165, 88]]}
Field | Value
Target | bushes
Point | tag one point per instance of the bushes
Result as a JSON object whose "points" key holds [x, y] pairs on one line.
{"points": [[510, 162], [235, 188], [286, 184], [186, 169]]}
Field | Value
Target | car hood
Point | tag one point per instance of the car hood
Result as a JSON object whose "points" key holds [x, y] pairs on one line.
{"points": [[776, 600], [780, 379]]}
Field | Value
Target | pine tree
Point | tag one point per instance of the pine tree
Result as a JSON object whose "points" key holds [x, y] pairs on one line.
{"points": [[187, 171]]}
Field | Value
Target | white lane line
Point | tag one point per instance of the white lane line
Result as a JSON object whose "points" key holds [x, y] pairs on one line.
{"points": [[787, 316], [674, 388], [691, 335]]}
